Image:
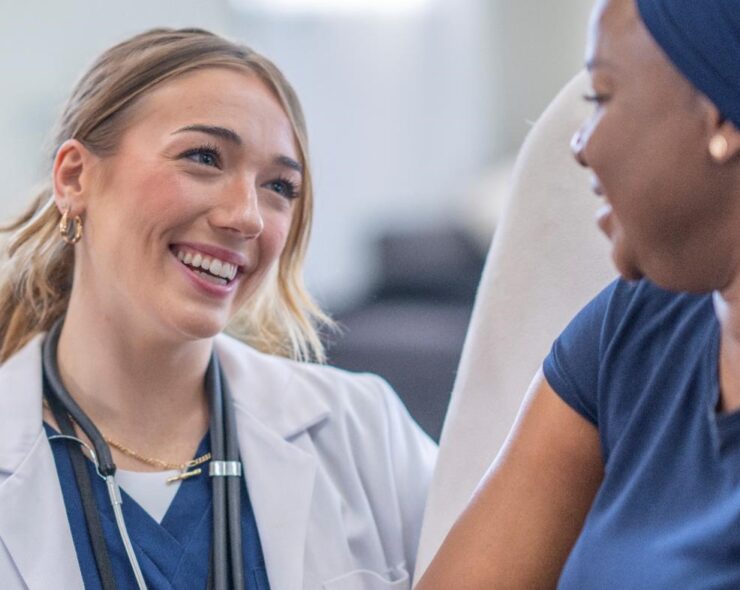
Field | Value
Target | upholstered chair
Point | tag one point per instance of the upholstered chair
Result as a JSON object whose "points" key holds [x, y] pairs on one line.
{"points": [[546, 261]]}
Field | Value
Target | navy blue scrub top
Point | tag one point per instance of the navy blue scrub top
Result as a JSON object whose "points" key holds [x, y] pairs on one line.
{"points": [[174, 554]]}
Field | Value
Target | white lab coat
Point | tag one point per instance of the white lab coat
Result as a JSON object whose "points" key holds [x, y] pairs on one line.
{"points": [[337, 474]]}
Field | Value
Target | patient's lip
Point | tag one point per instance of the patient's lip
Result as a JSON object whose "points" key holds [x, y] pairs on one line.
{"points": [[596, 187], [604, 219]]}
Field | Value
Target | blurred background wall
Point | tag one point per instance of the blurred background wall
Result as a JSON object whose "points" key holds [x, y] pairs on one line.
{"points": [[415, 110]]}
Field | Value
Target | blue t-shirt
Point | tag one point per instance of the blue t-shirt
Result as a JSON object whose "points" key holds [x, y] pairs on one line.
{"points": [[642, 365]]}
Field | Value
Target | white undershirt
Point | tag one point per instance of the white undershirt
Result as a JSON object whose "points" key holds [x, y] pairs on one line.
{"points": [[150, 490]]}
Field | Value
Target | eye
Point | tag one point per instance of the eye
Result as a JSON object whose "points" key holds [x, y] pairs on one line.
{"points": [[595, 98], [206, 155], [283, 187]]}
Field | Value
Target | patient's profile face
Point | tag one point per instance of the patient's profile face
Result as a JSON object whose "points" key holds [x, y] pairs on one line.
{"points": [[646, 144]]}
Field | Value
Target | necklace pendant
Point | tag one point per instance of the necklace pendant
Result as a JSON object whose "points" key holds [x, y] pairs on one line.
{"points": [[184, 475]]}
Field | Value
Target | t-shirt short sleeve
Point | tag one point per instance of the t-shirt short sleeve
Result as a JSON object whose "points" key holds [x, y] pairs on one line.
{"points": [[572, 366]]}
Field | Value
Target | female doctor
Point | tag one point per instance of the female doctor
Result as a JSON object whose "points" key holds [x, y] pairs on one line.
{"points": [[180, 203]]}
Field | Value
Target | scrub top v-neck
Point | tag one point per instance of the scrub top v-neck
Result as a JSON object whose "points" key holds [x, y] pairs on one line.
{"points": [[173, 554]]}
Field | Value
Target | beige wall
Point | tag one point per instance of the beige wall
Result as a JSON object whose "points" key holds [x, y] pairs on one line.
{"points": [[535, 46]]}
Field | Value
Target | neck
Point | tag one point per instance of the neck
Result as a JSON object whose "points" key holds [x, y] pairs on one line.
{"points": [[139, 389]]}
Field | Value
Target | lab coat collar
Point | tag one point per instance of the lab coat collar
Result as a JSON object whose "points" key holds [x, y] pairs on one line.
{"points": [[33, 521], [271, 412], [266, 387]]}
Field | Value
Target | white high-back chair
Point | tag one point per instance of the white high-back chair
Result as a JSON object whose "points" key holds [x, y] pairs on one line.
{"points": [[547, 260]]}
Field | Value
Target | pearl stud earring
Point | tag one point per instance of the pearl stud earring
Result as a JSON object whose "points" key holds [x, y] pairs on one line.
{"points": [[718, 147]]}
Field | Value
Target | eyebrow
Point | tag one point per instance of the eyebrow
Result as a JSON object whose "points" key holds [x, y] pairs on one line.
{"points": [[289, 163], [214, 130], [234, 137]]}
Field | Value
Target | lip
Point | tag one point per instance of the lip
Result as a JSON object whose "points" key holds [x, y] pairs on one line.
{"points": [[596, 187], [604, 217], [236, 258], [204, 286]]}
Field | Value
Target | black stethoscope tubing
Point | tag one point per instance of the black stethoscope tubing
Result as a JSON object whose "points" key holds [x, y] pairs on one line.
{"points": [[226, 490], [226, 568], [82, 477]]}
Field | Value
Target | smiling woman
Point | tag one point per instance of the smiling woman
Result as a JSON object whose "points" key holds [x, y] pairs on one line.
{"points": [[180, 205], [621, 470]]}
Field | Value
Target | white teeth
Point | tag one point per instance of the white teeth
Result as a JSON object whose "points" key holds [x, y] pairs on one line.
{"points": [[210, 278], [227, 271], [217, 269]]}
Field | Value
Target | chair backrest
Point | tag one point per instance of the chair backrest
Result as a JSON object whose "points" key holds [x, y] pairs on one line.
{"points": [[547, 260]]}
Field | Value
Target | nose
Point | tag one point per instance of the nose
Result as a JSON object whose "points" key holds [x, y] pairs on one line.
{"points": [[577, 147], [239, 210]]}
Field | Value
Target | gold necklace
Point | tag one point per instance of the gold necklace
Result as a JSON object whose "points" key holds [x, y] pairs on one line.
{"points": [[186, 469]]}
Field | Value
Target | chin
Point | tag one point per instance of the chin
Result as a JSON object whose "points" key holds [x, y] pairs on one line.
{"points": [[629, 273], [202, 327], [626, 265]]}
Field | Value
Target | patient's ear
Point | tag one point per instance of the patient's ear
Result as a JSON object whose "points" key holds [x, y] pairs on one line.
{"points": [[733, 139], [72, 176]]}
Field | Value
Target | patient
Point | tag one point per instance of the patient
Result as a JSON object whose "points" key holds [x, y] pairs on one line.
{"points": [[623, 468]]}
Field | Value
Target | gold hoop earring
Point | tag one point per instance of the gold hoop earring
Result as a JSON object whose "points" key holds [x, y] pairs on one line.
{"points": [[718, 147], [70, 232]]}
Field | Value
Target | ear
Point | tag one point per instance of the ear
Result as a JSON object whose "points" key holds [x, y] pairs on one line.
{"points": [[732, 135], [72, 176]]}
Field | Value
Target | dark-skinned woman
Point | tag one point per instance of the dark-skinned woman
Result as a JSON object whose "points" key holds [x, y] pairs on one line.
{"points": [[623, 467]]}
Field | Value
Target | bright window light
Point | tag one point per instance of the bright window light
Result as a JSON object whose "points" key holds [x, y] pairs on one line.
{"points": [[332, 6]]}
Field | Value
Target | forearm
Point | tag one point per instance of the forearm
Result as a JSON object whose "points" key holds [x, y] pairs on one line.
{"points": [[524, 519]]}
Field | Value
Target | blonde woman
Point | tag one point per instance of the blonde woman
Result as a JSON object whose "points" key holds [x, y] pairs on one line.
{"points": [[180, 203]]}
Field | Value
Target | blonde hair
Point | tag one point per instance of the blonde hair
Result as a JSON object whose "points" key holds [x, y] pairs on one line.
{"points": [[36, 277]]}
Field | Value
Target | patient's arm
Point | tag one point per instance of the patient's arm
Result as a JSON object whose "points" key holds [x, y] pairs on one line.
{"points": [[526, 515]]}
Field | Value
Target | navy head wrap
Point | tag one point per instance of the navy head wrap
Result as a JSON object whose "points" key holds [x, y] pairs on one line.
{"points": [[702, 38]]}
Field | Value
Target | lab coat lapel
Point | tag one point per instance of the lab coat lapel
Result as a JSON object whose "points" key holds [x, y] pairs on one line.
{"points": [[280, 479], [272, 414], [33, 520], [34, 526]]}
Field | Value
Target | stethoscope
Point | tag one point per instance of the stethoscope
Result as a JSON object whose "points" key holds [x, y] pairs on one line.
{"points": [[226, 568]]}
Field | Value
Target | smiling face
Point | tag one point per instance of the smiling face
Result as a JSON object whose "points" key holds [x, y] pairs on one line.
{"points": [[668, 213], [183, 222]]}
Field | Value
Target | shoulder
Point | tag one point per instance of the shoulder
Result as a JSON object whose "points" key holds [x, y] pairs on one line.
{"points": [[643, 316], [355, 421], [624, 334], [20, 404], [283, 386], [374, 463], [636, 310]]}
